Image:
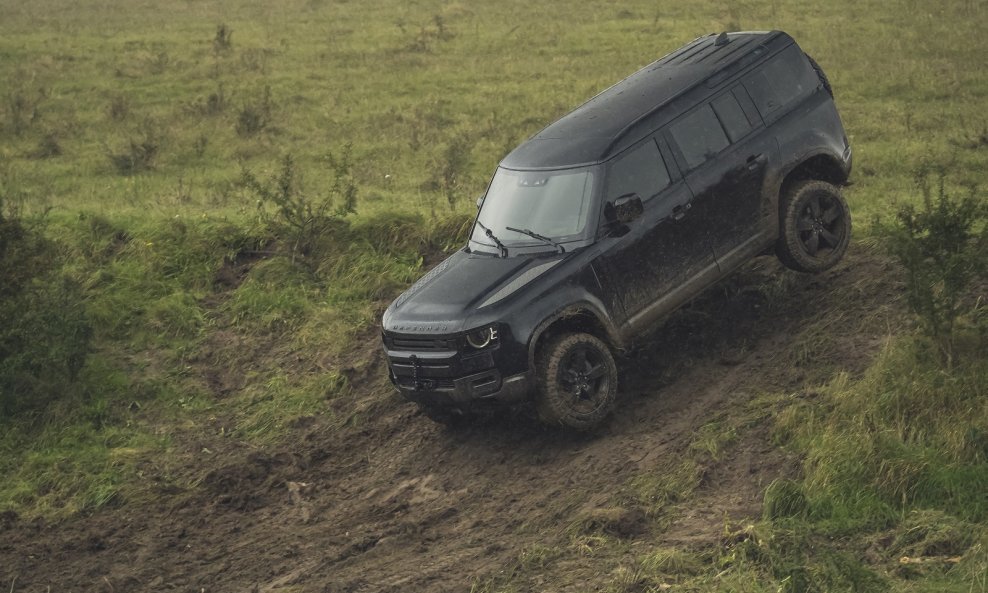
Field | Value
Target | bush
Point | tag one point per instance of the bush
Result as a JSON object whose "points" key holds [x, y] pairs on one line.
{"points": [[255, 115], [943, 246], [223, 40], [44, 332], [299, 217], [140, 154], [23, 109]]}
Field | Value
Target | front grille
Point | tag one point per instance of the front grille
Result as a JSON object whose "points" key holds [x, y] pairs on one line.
{"points": [[425, 369], [423, 344]]}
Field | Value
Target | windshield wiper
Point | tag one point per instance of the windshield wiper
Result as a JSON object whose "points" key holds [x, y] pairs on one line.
{"points": [[490, 235], [535, 235]]}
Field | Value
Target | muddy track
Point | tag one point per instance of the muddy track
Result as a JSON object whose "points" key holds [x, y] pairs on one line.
{"points": [[397, 503]]}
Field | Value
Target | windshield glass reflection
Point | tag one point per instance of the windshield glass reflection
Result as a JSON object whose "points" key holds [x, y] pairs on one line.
{"points": [[554, 204]]}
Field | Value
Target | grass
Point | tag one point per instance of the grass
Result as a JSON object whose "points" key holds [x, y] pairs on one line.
{"points": [[128, 131]]}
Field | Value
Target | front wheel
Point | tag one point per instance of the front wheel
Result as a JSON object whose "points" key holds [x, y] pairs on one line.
{"points": [[577, 381], [815, 227]]}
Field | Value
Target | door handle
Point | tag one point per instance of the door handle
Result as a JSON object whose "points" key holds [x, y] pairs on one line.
{"points": [[680, 211]]}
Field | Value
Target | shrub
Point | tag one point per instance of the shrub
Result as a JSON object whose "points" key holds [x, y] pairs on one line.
{"points": [[119, 108], [23, 109], [213, 104], [49, 146], [451, 167], [140, 154], [943, 246], [223, 40], [300, 217], [428, 35], [44, 332], [255, 115]]}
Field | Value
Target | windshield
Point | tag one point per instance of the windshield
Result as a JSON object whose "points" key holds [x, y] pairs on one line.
{"points": [[554, 204]]}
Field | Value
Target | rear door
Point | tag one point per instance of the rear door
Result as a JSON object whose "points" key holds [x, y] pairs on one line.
{"points": [[721, 146]]}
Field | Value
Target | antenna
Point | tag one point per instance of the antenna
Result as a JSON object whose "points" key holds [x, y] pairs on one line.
{"points": [[722, 40]]}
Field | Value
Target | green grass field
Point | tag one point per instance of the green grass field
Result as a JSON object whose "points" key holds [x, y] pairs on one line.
{"points": [[126, 129]]}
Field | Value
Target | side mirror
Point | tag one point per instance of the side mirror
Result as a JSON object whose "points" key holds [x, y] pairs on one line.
{"points": [[480, 201], [625, 208]]}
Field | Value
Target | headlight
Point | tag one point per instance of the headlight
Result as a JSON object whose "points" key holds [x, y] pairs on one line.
{"points": [[483, 337]]}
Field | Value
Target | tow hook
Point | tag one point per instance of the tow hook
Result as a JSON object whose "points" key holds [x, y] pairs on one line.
{"points": [[415, 372]]}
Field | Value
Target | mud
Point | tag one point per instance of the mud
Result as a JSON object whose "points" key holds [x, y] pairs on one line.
{"points": [[395, 502]]}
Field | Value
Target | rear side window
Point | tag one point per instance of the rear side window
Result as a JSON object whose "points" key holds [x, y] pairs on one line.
{"points": [[731, 116], [641, 171], [783, 79], [699, 135]]}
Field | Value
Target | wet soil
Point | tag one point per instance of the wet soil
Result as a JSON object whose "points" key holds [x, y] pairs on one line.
{"points": [[394, 502]]}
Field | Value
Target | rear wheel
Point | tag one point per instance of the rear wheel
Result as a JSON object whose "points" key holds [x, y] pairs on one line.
{"points": [[815, 227], [577, 381]]}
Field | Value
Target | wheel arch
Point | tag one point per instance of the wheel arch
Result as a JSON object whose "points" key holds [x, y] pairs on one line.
{"points": [[820, 166], [580, 317]]}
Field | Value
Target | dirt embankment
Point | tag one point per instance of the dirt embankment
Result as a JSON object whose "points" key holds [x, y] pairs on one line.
{"points": [[397, 503]]}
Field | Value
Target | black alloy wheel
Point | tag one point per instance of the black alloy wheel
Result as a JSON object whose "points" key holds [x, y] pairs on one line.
{"points": [[816, 227], [577, 380]]}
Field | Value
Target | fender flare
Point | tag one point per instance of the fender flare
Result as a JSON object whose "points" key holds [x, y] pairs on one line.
{"points": [[585, 307]]}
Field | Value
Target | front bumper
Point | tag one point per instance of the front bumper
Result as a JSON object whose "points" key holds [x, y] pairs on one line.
{"points": [[485, 386], [438, 371]]}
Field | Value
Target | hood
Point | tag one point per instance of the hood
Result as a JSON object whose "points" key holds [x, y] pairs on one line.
{"points": [[444, 300]]}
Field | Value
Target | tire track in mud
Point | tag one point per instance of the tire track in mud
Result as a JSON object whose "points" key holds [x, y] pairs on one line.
{"points": [[401, 504]]}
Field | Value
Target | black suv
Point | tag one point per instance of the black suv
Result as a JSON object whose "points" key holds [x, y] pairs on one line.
{"points": [[599, 226]]}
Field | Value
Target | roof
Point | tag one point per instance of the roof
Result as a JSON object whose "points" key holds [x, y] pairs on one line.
{"points": [[616, 118]]}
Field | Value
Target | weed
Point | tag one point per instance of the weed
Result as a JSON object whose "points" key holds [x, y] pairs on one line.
{"points": [[299, 216], [199, 145], [449, 168], [783, 499], [665, 486], [927, 533], [670, 562], [44, 329], [223, 39], [428, 35], [255, 115], [140, 154], [538, 556], [119, 108], [905, 436], [157, 63], [943, 246], [255, 59], [213, 104], [49, 146], [23, 109], [711, 439], [974, 140]]}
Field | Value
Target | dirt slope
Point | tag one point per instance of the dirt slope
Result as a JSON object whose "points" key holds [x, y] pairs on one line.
{"points": [[398, 503]]}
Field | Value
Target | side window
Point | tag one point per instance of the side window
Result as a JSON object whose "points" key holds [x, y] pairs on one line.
{"points": [[699, 135], [782, 79], [731, 116], [641, 171]]}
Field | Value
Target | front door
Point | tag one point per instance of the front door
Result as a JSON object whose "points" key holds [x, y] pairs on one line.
{"points": [[650, 259]]}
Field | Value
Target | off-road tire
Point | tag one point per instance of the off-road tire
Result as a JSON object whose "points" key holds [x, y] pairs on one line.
{"points": [[577, 381], [815, 226]]}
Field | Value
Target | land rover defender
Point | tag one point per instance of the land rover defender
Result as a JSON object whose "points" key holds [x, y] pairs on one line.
{"points": [[607, 220]]}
